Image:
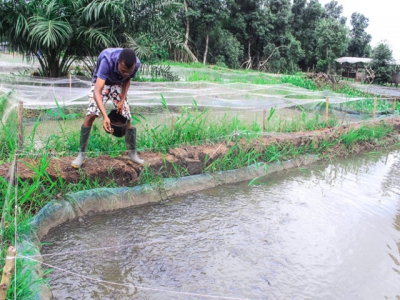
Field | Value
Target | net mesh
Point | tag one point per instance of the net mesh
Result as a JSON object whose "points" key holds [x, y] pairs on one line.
{"points": [[56, 106]]}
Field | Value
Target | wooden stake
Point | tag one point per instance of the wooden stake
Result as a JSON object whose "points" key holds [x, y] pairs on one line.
{"points": [[7, 272], [20, 124], [264, 119], [394, 105], [70, 80], [172, 123], [327, 111], [374, 111]]}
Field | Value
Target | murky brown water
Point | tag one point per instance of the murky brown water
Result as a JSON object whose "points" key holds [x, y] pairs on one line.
{"points": [[331, 231]]}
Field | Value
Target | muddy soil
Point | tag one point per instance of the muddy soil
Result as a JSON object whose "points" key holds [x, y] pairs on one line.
{"points": [[119, 170]]}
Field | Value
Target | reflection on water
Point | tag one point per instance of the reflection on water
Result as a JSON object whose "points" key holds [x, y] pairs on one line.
{"points": [[331, 231]]}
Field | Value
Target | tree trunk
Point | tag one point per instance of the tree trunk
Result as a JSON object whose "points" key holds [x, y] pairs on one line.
{"points": [[185, 46], [187, 23], [206, 50]]}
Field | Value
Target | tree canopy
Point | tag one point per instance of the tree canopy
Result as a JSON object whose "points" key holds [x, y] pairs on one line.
{"points": [[268, 35]]}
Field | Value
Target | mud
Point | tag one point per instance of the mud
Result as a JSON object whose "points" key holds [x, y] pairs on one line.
{"points": [[192, 159]]}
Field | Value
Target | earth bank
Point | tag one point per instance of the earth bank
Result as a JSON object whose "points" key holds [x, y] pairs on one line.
{"points": [[194, 159]]}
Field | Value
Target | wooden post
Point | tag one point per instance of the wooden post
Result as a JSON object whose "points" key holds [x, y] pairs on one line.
{"points": [[20, 124], [70, 80], [7, 272], [172, 124], [374, 111], [327, 111], [264, 119], [394, 105]]}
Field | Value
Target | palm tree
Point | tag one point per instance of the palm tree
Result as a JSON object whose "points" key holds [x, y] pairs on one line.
{"points": [[68, 30]]}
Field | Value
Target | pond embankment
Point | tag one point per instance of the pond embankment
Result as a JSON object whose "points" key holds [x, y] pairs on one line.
{"points": [[192, 160]]}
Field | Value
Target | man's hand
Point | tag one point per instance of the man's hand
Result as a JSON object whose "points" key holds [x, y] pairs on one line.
{"points": [[120, 107], [107, 125]]}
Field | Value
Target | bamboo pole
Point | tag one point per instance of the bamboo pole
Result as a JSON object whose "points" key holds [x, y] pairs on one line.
{"points": [[20, 124], [264, 119], [70, 80], [327, 111], [374, 111], [7, 272], [394, 105], [172, 124]]}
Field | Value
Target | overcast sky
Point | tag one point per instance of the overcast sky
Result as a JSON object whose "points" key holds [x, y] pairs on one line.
{"points": [[383, 18]]}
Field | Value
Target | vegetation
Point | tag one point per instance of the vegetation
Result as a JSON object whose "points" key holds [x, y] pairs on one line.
{"points": [[269, 36], [382, 63], [266, 35], [61, 32], [190, 128], [359, 45]]}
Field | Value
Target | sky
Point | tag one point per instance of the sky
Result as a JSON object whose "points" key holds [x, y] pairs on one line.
{"points": [[383, 20]]}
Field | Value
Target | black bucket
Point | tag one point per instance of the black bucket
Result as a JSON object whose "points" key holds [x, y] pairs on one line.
{"points": [[118, 123]]}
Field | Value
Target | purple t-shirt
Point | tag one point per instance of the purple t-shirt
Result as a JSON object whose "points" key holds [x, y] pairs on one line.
{"points": [[107, 67]]}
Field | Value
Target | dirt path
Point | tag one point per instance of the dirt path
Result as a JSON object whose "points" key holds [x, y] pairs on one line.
{"points": [[384, 91]]}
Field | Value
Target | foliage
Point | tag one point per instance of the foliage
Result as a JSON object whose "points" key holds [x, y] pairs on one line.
{"points": [[226, 49], [267, 35], [334, 11], [359, 44], [382, 59], [60, 32], [305, 19], [332, 42]]}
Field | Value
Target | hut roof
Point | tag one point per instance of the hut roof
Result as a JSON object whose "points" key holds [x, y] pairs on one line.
{"points": [[353, 60]]}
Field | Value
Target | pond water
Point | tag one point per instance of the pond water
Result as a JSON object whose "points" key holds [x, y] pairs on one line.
{"points": [[331, 231]]}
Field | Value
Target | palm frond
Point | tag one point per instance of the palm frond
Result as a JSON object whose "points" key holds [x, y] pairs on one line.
{"points": [[138, 45], [22, 26], [49, 33], [96, 8], [100, 36]]}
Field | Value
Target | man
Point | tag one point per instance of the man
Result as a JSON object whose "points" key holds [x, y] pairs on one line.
{"points": [[111, 80]]}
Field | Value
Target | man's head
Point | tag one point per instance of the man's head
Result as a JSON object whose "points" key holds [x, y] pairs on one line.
{"points": [[126, 62]]}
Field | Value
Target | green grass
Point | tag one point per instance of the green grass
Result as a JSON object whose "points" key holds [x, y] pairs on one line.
{"points": [[365, 134], [367, 106], [300, 81]]}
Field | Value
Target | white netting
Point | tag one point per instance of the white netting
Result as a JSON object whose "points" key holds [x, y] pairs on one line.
{"points": [[231, 93], [44, 92]]}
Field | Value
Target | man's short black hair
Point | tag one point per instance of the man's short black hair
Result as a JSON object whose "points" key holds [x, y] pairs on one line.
{"points": [[128, 57]]}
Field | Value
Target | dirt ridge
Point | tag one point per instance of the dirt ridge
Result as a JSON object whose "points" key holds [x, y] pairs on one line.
{"points": [[192, 158]]}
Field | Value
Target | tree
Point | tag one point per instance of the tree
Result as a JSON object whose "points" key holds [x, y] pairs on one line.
{"points": [[211, 12], [382, 63], [249, 27], [225, 48], [359, 44], [188, 13], [334, 11], [304, 22], [332, 42], [68, 30]]}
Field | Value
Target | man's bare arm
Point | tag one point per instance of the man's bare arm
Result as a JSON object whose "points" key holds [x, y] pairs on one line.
{"points": [[125, 87], [99, 101]]}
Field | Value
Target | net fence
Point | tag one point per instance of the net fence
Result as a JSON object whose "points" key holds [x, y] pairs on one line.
{"points": [[57, 106]]}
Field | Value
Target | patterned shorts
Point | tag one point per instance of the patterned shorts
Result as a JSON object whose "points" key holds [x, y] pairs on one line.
{"points": [[109, 92]]}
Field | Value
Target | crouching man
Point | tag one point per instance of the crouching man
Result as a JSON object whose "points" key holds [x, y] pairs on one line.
{"points": [[111, 81]]}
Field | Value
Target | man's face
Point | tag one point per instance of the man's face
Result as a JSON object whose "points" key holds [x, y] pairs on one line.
{"points": [[123, 70]]}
